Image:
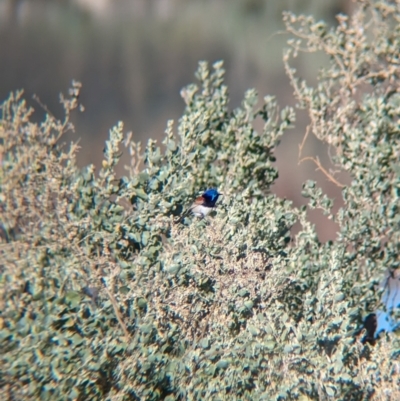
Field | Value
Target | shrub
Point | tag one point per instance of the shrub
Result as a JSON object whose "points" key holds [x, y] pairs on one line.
{"points": [[106, 296]]}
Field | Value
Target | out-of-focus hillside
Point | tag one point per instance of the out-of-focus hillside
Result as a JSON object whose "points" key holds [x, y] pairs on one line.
{"points": [[133, 58]]}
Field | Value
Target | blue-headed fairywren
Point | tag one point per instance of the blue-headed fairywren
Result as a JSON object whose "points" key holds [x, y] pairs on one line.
{"points": [[203, 204]]}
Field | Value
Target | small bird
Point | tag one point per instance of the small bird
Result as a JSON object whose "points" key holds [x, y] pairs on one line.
{"points": [[203, 205]]}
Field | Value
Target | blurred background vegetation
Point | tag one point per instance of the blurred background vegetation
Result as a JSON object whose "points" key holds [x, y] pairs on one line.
{"points": [[134, 56]]}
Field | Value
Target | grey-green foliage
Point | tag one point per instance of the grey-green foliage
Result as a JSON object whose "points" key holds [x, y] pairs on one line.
{"points": [[355, 109], [105, 296], [84, 281]]}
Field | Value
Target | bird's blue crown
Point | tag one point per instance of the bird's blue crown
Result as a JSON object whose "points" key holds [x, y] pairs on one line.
{"points": [[210, 197]]}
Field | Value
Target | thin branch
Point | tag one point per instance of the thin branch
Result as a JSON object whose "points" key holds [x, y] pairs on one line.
{"points": [[116, 310], [43, 106], [301, 146], [319, 165]]}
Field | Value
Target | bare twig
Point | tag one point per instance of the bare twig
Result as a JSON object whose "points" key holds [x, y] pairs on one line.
{"points": [[116, 310], [319, 165], [301, 146]]}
